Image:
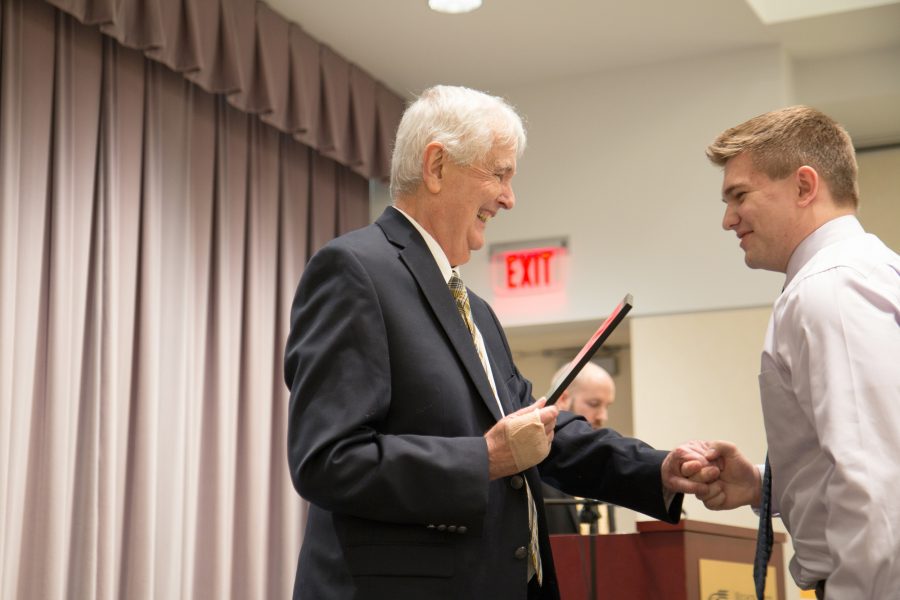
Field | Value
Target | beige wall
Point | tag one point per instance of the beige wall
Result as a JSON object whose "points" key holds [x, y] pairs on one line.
{"points": [[695, 377], [879, 191], [615, 161]]}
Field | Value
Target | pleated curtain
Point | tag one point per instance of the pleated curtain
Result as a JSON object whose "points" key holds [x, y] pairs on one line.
{"points": [[152, 233], [264, 65]]}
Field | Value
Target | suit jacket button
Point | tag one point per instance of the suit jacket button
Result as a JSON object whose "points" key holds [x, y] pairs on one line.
{"points": [[441, 527], [516, 482], [521, 552], [451, 528], [461, 529]]}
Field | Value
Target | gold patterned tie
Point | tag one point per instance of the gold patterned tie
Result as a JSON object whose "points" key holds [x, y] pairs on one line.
{"points": [[458, 289]]}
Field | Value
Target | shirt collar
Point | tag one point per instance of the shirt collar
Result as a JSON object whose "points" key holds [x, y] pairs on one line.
{"points": [[833, 231], [437, 252]]}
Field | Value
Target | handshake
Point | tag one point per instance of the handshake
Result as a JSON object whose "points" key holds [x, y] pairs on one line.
{"points": [[715, 472]]}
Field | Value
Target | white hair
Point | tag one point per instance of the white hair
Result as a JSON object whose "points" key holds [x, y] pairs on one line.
{"points": [[468, 124]]}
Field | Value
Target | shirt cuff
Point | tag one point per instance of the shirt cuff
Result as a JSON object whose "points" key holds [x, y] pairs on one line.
{"points": [[668, 496]]}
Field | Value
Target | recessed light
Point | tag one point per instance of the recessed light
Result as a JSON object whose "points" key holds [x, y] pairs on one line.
{"points": [[454, 7]]}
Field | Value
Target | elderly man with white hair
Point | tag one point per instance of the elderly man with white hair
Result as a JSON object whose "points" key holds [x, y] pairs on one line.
{"points": [[411, 433]]}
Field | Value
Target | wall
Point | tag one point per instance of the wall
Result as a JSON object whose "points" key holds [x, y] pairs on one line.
{"points": [[860, 90], [616, 162], [879, 192], [695, 377]]}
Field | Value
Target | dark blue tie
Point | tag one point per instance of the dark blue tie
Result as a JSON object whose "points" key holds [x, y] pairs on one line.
{"points": [[764, 535]]}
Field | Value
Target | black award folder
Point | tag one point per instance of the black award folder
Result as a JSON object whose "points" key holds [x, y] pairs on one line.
{"points": [[592, 345]]}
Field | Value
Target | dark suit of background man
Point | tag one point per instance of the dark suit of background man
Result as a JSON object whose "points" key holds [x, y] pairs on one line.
{"points": [[400, 416]]}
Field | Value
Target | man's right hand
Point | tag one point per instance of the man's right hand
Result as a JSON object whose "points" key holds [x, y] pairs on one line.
{"points": [[739, 482], [520, 440]]}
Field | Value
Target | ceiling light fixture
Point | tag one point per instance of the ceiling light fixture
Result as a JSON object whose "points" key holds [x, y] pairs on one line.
{"points": [[453, 7]]}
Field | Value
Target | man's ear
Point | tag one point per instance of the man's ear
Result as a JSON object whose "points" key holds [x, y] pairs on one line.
{"points": [[807, 185], [564, 402], [433, 161]]}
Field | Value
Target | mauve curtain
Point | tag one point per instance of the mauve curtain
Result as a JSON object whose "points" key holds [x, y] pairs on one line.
{"points": [[151, 236], [266, 66]]}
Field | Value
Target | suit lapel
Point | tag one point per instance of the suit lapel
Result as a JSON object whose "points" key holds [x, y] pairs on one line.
{"points": [[414, 253]]}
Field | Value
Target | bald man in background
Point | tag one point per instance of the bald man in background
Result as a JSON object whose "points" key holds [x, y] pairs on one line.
{"points": [[589, 395]]}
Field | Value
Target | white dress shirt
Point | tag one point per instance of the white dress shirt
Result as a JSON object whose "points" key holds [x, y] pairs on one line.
{"points": [[830, 388]]}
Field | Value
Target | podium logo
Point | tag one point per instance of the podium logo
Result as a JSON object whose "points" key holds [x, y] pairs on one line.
{"points": [[730, 595], [729, 580]]}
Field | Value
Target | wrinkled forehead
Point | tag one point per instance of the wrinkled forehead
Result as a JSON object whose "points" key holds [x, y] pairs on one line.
{"points": [[504, 157], [501, 156]]}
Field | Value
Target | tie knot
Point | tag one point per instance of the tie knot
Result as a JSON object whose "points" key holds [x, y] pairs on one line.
{"points": [[456, 286], [462, 301]]}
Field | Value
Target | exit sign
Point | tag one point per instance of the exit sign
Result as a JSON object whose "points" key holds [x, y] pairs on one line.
{"points": [[528, 269]]}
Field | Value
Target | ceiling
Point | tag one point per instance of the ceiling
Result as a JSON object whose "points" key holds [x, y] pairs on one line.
{"points": [[507, 43]]}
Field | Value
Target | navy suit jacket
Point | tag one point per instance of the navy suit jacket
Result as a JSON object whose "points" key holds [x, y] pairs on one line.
{"points": [[388, 408]]}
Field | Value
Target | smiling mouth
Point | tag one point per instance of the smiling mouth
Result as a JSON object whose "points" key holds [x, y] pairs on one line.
{"points": [[483, 216]]}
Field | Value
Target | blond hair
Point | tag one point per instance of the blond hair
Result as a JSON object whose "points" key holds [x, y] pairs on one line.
{"points": [[782, 141]]}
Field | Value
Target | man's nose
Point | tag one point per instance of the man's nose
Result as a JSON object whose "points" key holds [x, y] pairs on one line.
{"points": [[508, 197], [730, 219]]}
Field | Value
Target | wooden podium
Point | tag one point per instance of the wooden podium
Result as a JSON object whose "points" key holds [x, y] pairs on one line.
{"points": [[660, 561]]}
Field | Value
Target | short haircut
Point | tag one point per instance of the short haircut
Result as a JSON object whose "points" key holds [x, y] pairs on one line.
{"points": [[468, 123], [782, 141]]}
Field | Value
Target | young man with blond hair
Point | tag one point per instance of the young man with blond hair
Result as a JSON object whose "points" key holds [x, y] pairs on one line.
{"points": [[830, 370]]}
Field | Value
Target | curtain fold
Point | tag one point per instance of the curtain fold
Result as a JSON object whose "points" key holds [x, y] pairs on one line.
{"points": [[151, 237], [24, 170], [267, 66]]}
